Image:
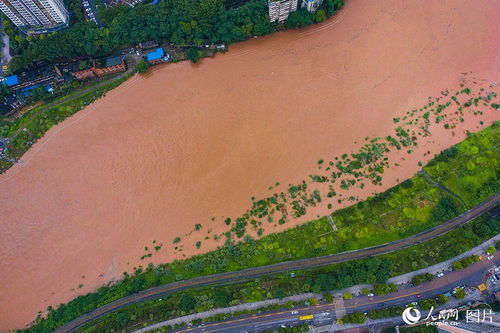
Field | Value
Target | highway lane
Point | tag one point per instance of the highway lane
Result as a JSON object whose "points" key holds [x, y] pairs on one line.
{"points": [[250, 273], [324, 314]]}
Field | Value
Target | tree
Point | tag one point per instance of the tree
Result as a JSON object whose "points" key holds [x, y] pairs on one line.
{"points": [[299, 19], [222, 298], [442, 299], [382, 289], [142, 66], [193, 55], [328, 297], [491, 250], [347, 295], [365, 291], [279, 293], [122, 318], [187, 303], [320, 16], [38, 94], [459, 293]]}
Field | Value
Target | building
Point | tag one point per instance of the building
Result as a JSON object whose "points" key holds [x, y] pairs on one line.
{"points": [[280, 9], [148, 45], [111, 65], [36, 16], [155, 57], [312, 5], [11, 80]]}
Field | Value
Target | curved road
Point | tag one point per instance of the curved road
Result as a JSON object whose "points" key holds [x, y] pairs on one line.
{"points": [[250, 273]]}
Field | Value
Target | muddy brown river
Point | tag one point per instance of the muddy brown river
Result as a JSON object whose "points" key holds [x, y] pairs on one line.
{"points": [[185, 143]]}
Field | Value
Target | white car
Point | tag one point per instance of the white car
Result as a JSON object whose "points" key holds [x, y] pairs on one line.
{"points": [[439, 274], [490, 257], [370, 295], [295, 312]]}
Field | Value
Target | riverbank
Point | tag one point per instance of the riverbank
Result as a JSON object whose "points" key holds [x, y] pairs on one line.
{"points": [[185, 143]]}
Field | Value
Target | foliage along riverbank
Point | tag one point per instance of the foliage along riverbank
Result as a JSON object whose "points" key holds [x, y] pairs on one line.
{"points": [[309, 240], [179, 22], [373, 271]]}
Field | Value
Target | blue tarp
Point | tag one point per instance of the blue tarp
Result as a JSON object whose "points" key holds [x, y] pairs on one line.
{"points": [[11, 80], [26, 91], [155, 55]]}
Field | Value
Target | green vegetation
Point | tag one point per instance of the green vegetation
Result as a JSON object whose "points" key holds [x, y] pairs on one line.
{"points": [[142, 66], [385, 312], [427, 304], [334, 277], [421, 278], [353, 318], [179, 22], [470, 169], [382, 288], [462, 263], [347, 295], [459, 293]]}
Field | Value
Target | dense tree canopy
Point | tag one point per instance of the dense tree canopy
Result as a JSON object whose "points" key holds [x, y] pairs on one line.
{"points": [[180, 22]]}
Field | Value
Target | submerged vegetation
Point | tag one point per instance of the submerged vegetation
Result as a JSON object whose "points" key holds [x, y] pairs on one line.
{"points": [[337, 176]]}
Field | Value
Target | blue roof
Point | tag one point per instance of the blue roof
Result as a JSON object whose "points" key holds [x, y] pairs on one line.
{"points": [[155, 55], [11, 80]]}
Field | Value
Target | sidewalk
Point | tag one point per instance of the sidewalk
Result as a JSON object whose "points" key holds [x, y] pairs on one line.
{"points": [[355, 290]]}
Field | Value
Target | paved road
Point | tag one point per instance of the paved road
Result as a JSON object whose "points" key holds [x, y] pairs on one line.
{"points": [[324, 314], [251, 273]]}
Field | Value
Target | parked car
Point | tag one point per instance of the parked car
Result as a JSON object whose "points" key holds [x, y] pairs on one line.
{"points": [[490, 257], [439, 274], [370, 295]]}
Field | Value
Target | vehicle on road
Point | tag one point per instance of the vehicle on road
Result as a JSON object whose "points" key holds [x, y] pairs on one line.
{"points": [[370, 295], [440, 274], [381, 305], [306, 317], [295, 312], [419, 296], [490, 257]]}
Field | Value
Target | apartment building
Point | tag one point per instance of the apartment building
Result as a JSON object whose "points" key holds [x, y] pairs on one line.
{"points": [[36, 16]]}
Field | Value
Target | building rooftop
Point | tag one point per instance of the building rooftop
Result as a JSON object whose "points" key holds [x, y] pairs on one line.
{"points": [[11, 80], [113, 61], [155, 55]]}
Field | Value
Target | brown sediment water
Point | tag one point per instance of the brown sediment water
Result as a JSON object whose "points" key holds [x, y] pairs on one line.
{"points": [[185, 143]]}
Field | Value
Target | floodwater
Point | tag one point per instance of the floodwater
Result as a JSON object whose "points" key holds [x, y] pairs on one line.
{"points": [[186, 143]]}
